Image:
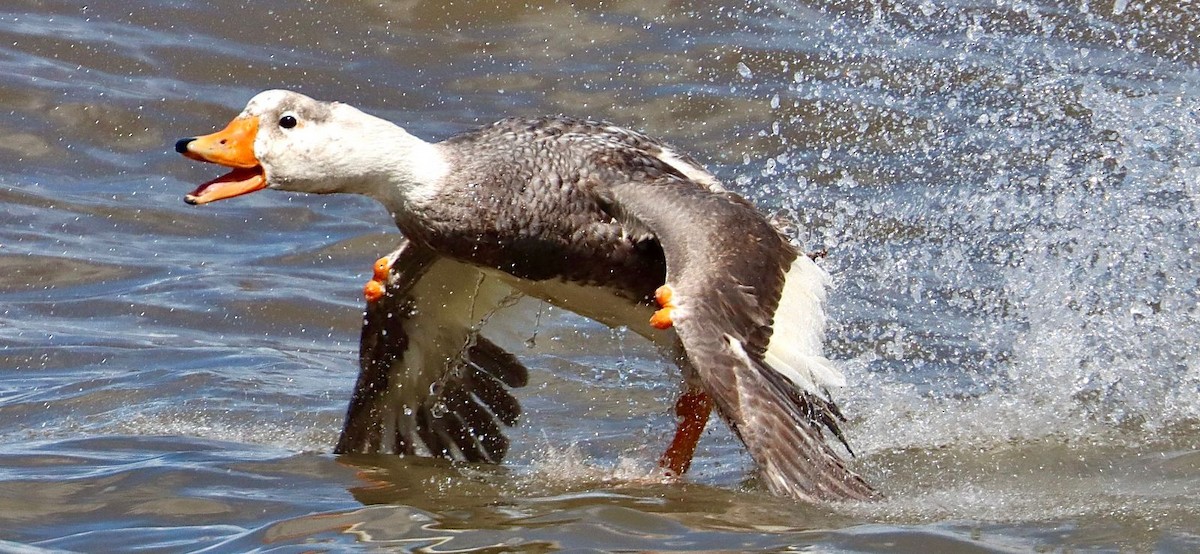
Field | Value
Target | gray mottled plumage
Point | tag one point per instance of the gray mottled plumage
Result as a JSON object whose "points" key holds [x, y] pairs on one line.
{"points": [[522, 197]]}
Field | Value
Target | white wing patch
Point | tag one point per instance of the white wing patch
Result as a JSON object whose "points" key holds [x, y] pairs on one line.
{"points": [[691, 170], [799, 327]]}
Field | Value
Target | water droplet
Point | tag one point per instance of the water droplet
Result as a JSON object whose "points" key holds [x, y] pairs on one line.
{"points": [[744, 70]]}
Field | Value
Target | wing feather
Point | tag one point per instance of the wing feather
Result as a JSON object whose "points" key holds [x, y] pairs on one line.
{"points": [[728, 268], [428, 382]]}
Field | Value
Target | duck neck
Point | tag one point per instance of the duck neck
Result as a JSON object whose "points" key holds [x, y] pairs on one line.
{"points": [[401, 171]]}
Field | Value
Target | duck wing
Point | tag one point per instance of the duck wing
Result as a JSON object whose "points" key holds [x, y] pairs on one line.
{"points": [[748, 310], [429, 383]]}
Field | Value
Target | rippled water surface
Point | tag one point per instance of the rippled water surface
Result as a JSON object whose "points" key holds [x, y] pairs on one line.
{"points": [[1007, 191]]}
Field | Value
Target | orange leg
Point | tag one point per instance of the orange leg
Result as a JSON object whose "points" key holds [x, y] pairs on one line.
{"points": [[692, 408], [374, 288]]}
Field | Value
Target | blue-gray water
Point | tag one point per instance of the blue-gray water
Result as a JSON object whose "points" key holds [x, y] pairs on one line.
{"points": [[1008, 192]]}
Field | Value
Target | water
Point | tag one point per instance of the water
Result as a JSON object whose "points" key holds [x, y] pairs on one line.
{"points": [[1007, 190]]}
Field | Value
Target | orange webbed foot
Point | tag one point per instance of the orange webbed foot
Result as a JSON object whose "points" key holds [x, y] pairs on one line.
{"points": [[662, 318], [375, 288]]}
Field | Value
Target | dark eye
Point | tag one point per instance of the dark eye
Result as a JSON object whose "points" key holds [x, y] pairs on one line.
{"points": [[287, 121]]}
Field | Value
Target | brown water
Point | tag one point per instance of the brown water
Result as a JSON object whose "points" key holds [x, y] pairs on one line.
{"points": [[1008, 191]]}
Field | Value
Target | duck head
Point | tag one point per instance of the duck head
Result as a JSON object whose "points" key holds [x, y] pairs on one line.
{"points": [[287, 141]]}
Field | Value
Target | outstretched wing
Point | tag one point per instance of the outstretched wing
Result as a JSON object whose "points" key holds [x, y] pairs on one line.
{"points": [[429, 383], [748, 311]]}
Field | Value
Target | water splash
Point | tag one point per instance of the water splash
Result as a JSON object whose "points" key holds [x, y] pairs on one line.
{"points": [[1012, 222], [570, 466]]}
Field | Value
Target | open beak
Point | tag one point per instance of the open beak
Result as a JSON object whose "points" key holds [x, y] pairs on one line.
{"points": [[232, 147]]}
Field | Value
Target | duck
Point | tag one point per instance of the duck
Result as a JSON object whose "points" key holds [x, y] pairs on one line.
{"points": [[584, 215]]}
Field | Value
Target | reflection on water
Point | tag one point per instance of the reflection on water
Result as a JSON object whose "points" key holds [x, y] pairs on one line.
{"points": [[1007, 191]]}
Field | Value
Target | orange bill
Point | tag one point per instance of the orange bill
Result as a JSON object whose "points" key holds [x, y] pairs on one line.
{"points": [[232, 147]]}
